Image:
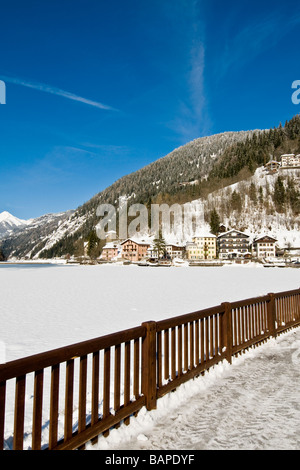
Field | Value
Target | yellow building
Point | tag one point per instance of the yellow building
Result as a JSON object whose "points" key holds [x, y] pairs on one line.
{"points": [[203, 247]]}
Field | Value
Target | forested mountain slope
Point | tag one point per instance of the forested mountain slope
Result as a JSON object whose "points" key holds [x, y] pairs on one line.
{"points": [[197, 170]]}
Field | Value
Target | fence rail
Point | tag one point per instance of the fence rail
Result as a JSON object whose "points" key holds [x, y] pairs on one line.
{"points": [[81, 391]]}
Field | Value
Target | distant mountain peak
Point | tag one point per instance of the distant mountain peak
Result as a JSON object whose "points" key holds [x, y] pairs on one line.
{"points": [[9, 223], [8, 217]]}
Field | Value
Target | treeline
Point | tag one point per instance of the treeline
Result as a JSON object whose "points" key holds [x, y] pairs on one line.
{"points": [[2, 257], [258, 149], [286, 196]]}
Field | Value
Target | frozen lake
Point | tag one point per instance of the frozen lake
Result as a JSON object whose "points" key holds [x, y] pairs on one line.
{"points": [[48, 307]]}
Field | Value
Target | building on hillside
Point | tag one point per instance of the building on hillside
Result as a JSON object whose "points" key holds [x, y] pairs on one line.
{"points": [[233, 244], [272, 166], [290, 161], [134, 250], [203, 246], [110, 251], [264, 247]]}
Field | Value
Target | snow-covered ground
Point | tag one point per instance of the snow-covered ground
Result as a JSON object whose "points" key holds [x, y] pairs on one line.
{"points": [[43, 308]]}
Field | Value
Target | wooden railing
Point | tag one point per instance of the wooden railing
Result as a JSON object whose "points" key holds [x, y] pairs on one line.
{"points": [[104, 366], [81, 391]]}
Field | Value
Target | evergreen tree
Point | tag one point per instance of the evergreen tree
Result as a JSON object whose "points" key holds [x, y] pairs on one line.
{"points": [[93, 245], [214, 222], [236, 202], [293, 196], [2, 257], [279, 196], [252, 193], [79, 247], [160, 245], [261, 195]]}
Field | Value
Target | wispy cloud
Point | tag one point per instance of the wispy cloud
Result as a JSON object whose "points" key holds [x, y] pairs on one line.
{"points": [[55, 91], [192, 120], [255, 38]]}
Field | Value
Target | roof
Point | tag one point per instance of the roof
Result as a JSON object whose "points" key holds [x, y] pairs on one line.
{"points": [[110, 245], [233, 230], [175, 245], [138, 242], [204, 235], [264, 237]]}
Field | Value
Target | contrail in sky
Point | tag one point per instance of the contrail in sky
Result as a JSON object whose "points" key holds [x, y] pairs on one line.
{"points": [[55, 91]]}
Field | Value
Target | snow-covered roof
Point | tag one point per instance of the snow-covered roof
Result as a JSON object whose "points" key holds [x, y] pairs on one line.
{"points": [[137, 241], [175, 245], [262, 237], [110, 245], [233, 230], [204, 235]]}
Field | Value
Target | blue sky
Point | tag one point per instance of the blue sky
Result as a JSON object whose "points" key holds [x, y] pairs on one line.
{"points": [[97, 89]]}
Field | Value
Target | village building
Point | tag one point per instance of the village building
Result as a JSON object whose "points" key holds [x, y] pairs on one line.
{"points": [[203, 246], [134, 250], [191, 251], [233, 244], [110, 251], [175, 251], [152, 252], [290, 161], [264, 247], [272, 166], [172, 250]]}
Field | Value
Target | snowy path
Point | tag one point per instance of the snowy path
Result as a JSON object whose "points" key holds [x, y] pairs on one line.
{"points": [[253, 404]]}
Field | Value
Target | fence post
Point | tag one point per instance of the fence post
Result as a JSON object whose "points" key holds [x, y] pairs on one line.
{"points": [[272, 315], [149, 365], [227, 331]]}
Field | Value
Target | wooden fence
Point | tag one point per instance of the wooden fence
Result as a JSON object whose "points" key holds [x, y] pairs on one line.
{"points": [[67, 397]]}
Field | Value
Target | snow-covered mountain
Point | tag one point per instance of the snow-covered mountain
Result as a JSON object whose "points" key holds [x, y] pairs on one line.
{"points": [[38, 233], [210, 170], [190, 162], [9, 224]]}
